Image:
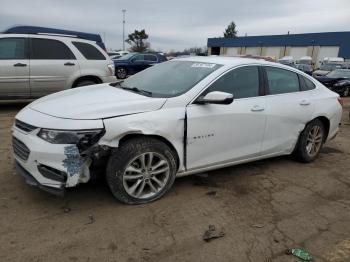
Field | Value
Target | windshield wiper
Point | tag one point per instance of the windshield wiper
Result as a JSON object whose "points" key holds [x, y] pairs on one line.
{"points": [[137, 90], [118, 83], [134, 89]]}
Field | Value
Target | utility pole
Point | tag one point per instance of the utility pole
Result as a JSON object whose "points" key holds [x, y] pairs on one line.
{"points": [[124, 10]]}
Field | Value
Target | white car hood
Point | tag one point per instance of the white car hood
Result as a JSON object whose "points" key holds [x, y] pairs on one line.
{"points": [[321, 72], [95, 102]]}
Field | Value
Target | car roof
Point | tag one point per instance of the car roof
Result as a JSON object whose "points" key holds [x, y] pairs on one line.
{"points": [[37, 30], [224, 60], [48, 36]]}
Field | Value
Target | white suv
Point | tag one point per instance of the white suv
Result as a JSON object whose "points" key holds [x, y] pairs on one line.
{"points": [[34, 65]]}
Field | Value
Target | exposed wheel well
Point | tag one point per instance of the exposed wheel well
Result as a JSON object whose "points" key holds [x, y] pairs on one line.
{"points": [[164, 140], [95, 79], [326, 124]]}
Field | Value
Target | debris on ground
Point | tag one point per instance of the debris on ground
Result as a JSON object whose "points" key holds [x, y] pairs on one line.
{"points": [[212, 233], [211, 193], [299, 253], [91, 220], [257, 225], [66, 209]]}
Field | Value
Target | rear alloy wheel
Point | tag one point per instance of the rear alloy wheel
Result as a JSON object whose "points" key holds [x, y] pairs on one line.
{"points": [[121, 72], [141, 170], [346, 91], [314, 141], [310, 141]]}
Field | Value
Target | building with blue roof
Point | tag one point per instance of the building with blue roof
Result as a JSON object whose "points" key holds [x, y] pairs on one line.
{"points": [[316, 45]]}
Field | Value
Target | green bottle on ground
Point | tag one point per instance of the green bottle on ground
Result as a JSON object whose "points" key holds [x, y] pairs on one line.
{"points": [[299, 253]]}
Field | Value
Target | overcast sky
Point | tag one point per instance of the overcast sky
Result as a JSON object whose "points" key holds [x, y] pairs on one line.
{"points": [[178, 24]]}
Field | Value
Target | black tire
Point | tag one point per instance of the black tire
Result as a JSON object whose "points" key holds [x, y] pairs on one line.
{"points": [[85, 83], [302, 152], [346, 92], [120, 160], [121, 72]]}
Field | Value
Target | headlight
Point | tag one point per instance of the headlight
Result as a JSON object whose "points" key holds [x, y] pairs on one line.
{"points": [[341, 84], [80, 137]]}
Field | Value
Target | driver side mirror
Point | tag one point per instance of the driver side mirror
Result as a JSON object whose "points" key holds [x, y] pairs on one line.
{"points": [[216, 97]]}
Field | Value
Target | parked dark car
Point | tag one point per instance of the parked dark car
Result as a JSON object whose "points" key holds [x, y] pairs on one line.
{"points": [[136, 62], [338, 81], [325, 69], [305, 68]]}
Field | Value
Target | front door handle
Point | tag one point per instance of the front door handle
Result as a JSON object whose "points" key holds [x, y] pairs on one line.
{"points": [[69, 64], [20, 64], [304, 103], [257, 108]]}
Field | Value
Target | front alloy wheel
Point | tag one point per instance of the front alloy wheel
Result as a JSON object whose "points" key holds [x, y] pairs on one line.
{"points": [[141, 170], [146, 175]]}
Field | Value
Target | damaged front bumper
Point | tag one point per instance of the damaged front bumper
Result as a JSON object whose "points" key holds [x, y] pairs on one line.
{"points": [[51, 167], [30, 180]]}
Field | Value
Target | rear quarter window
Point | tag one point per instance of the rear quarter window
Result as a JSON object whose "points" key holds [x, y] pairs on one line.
{"points": [[306, 84], [89, 51]]}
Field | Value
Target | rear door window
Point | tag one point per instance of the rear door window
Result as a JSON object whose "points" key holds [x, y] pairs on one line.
{"points": [[151, 58], [138, 58], [281, 81], [13, 48], [89, 51], [49, 49]]}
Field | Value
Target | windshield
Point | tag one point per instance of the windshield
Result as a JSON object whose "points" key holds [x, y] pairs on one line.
{"points": [[339, 73], [171, 78], [329, 67], [303, 67]]}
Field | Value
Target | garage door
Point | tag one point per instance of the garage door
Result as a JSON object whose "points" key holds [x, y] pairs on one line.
{"points": [[298, 52], [327, 51], [252, 50], [231, 51], [273, 52]]}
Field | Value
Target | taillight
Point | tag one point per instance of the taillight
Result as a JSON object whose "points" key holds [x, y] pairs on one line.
{"points": [[341, 101], [111, 69]]}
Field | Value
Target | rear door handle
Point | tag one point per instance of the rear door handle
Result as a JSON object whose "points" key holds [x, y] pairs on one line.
{"points": [[20, 64], [257, 108], [69, 64], [304, 103]]}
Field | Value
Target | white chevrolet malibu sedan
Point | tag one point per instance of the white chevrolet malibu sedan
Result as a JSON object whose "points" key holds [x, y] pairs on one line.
{"points": [[177, 118]]}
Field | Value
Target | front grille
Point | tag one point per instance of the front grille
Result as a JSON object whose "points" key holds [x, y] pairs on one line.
{"points": [[20, 149], [328, 84], [24, 126]]}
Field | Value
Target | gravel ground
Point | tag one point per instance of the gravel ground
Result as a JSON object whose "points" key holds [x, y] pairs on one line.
{"points": [[263, 208]]}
